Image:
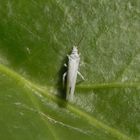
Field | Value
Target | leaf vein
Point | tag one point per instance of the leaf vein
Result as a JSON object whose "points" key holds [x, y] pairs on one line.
{"points": [[90, 119]]}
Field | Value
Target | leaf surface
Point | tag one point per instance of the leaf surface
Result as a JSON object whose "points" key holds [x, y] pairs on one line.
{"points": [[36, 36]]}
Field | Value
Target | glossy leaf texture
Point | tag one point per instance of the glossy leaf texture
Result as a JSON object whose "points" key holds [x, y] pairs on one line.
{"points": [[35, 38]]}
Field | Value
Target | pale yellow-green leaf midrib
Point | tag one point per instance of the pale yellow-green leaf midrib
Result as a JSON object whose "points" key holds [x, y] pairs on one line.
{"points": [[90, 119]]}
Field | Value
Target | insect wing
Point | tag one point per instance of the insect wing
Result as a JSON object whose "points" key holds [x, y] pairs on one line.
{"points": [[72, 76]]}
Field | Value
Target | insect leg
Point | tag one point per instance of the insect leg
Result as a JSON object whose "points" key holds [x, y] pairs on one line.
{"points": [[65, 65], [81, 75], [64, 77]]}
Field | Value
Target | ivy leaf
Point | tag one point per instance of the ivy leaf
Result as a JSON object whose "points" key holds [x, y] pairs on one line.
{"points": [[35, 38]]}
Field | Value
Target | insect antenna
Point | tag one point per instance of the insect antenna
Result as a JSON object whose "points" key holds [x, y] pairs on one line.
{"points": [[82, 37], [88, 14]]}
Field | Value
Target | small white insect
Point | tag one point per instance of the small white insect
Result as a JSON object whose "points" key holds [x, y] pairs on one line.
{"points": [[72, 71]]}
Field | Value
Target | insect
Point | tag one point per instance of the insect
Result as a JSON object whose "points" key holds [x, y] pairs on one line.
{"points": [[72, 71]]}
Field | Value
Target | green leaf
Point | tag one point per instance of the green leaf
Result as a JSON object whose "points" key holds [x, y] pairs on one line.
{"points": [[36, 36]]}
